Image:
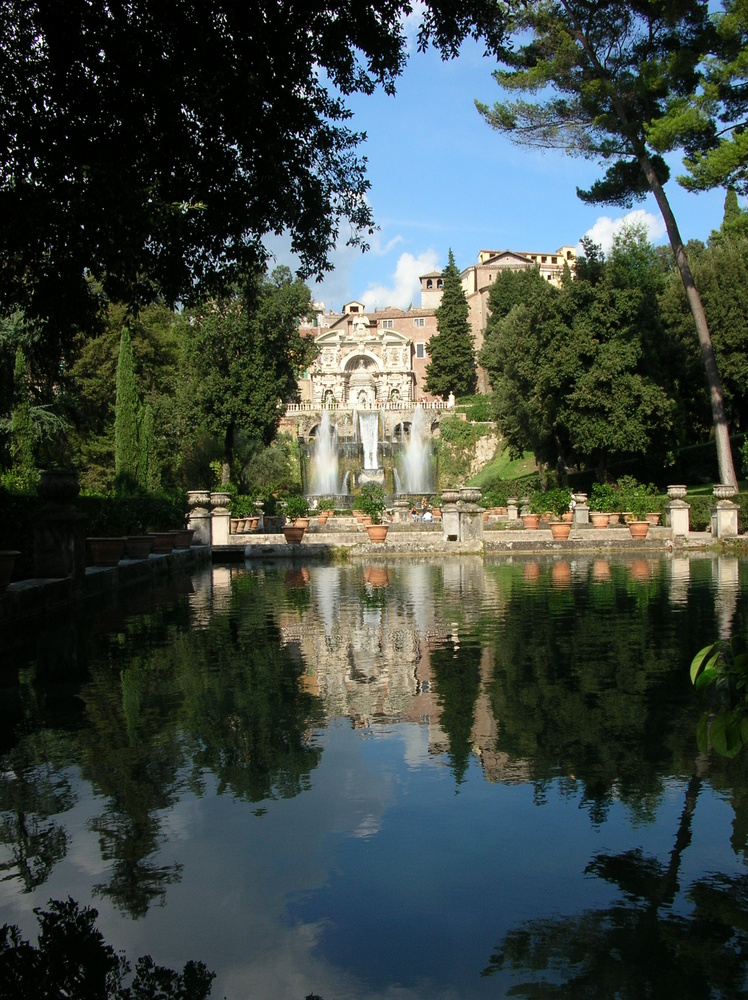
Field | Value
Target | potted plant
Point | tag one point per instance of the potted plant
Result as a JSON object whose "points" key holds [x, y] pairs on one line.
{"points": [[535, 508], [558, 504], [297, 510], [371, 502], [638, 525]]}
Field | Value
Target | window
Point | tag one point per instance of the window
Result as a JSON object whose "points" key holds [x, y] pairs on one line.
{"points": [[420, 321], [388, 324], [554, 260], [420, 350]]}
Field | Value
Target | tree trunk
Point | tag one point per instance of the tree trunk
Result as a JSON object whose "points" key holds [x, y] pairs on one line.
{"points": [[721, 430]]}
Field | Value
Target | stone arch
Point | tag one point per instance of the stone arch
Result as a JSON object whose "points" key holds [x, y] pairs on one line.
{"points": [[353, 361]]}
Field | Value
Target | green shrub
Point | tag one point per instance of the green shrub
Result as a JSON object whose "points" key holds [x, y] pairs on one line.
{"points": [[296, 506], [604, 497]]}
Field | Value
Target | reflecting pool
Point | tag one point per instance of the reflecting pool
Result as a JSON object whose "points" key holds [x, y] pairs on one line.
{"points": [[404, 779]]}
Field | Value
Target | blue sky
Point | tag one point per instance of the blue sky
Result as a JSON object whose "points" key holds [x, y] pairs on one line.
{"points": [[441, 178]]}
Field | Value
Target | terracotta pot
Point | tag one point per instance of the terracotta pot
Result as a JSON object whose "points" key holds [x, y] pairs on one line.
{"points": [[322, 520], [301, 522], [377, 532], [138, 546], [639, 529], [293, 534], [106, 551], [639, 569], [614, 517], [376, 576], [599, 520], [561, 574], [601, 570], [532, 572], [568, 516], [560, 529], [653, 518], [163, 541], [7, 562], [531, 520]]}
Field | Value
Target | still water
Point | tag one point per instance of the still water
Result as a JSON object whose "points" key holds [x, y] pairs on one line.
{"points": [[438, 779]]}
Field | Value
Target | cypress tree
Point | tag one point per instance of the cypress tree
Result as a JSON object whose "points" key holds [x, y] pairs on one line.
{"points": [[452, 352], [126, 450], [149, 474], [21, 432]]}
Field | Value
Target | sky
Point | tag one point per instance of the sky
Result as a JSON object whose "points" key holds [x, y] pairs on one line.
{"points": [[441, 178]]}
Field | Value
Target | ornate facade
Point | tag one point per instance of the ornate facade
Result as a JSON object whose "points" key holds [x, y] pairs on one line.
{"points": [[367, 360]]}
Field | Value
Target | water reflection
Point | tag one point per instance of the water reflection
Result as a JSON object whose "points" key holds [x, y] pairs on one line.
{"points": [[365, 777]]}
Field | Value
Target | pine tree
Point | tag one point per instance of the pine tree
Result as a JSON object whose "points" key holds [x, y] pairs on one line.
{"points": [[21, 432], [452, 366], [126, 451]]}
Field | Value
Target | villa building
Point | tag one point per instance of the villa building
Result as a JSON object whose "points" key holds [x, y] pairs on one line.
{"points": [[371, 359]]}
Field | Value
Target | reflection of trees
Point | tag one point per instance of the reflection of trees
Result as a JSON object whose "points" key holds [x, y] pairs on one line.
{"points": [[72, 959], [247, 717], [132, 755], [34, 787], [31, 792], [639, 947], [456, 668], [226, 698], [596, 693]]}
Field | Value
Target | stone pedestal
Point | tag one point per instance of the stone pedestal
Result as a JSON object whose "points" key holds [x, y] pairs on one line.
{"points": [[199, 520], [725, 519], [59, 542], [581, 513], [462, 522], [512, 512], [220, 519], [677, 517], [401, 512]]}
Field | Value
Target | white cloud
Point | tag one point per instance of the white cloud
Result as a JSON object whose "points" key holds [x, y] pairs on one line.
{"points": [[406, 287], [605, 228]]}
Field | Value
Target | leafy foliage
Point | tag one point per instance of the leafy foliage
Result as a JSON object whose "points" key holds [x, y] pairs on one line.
{"points": [[72, 959], [371, 501], [719, 673]]}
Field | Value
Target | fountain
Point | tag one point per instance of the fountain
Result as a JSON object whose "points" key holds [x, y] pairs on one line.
{"points": [[416, 467], [324, 478]]}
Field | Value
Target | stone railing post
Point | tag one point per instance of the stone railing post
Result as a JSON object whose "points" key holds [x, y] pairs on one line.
{"points": [[677, 515], [199, 515], [220, 518], [59, 542], [724, 513]]}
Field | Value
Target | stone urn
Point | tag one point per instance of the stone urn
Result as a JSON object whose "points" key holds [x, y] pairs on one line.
{"points": [[450, 496], [106, 551], [7, 562], [377, 532], [677, 492], [58, 486], [220, 500], [198, 498], [293, 534], [723, 492], [470, 494]]}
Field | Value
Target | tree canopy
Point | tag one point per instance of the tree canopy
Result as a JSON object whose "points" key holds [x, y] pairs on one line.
{"points": [[153, 146], [605, 73]]}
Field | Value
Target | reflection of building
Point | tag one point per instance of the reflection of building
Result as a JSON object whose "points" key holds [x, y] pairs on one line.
{"points": [[367, 359]]}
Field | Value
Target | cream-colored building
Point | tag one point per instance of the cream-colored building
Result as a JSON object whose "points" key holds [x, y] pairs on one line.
{"points": [[368, 359]]}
